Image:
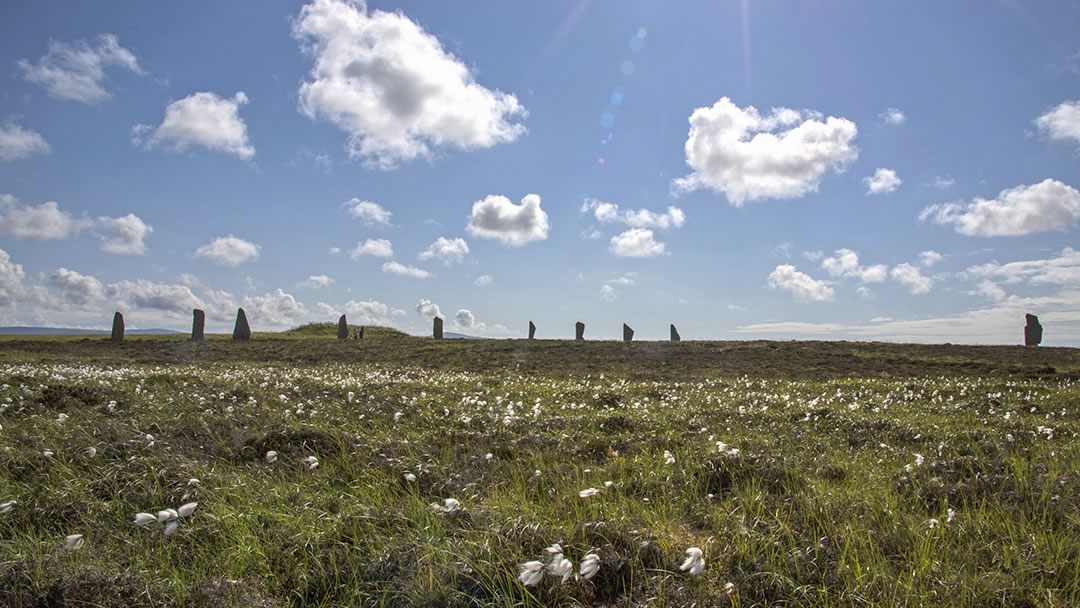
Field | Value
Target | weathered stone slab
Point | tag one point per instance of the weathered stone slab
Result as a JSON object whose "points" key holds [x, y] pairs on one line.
{"points": [[532, 330], [198, 324], [675, 334], [437, 328], [627, 333], [117, 327], [579, 331], [1032, 331], [241, 331], [342, 328]]}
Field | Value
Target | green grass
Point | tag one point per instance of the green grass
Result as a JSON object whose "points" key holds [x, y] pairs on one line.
{"points": [[817, 508]]}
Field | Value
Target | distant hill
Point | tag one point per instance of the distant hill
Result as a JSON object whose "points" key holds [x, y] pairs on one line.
{"points": [[70, 331], [456, 336]]}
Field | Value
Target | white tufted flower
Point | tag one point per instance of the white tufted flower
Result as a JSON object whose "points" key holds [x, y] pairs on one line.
{"points": [[695, 562]]}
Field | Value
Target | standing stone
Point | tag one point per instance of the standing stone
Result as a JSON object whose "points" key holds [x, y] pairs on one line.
{"points": [[675, 334], [532, 330], [241, 331], [342, 328], [437, 331], [1032, 331], [117, 327], [198, 324], [627, 333], [579, 331]]}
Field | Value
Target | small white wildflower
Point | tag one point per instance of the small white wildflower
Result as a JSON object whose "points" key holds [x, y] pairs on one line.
{"points": [[695, 562], [587, 492], [141, 519], [531, 573], [537, 473], [271, 457], [668, 457], [729, 588], [933, 523], [919, 460], [608, 484], [409, 477], [590, 565], [397, 416], [312, 463], [7, 506], [61, 418], [489, 456], [449, 505], [73, 542], [951, 516], [47, 453], [1009, 437]]}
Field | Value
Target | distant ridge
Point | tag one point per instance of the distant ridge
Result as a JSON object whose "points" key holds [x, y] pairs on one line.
{"points": [[70, 331], [456, 336]]}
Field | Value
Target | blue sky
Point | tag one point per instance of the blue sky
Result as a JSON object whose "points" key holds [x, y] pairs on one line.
{"points": [[901, 171]]}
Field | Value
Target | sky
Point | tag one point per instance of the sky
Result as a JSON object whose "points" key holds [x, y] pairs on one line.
{"points": [[902, 171]]}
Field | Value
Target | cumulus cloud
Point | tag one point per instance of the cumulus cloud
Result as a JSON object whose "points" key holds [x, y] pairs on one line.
{"points": [[912, 278], [159, 296], [379, 248], [124, 235], [495, 217], [801, 285], [990, 290], [75, 71], [930, 257], [228, 251], [42, 223], [625, 280], [882, 182], [393, 88], [11, 276], [636, 243], [405, 271], [18, 143], [369, 312], [449, 251], [201, 119], [274, 310], [464, 318], [368, 212], [428, 309], [1048, 205], [845, 263], [642, 218], [943, 183], [1062, 269], [316, 281], [483, 280], [76, 288], [1061, 122], [893, 116], [748, 156], [609, 293]]}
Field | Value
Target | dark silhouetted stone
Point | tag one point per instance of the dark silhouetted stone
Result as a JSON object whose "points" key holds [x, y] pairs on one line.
{"points": [[627, 333], [361, 333], [198, 324], [675, 334], [1032, 331], [532, 330], [437, 331], [117, 327], [579, 331], [342, 328], [241, 331]]}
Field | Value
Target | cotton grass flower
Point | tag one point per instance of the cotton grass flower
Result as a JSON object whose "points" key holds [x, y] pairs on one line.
{"points": [[312, 463], [561, 568], [187, 509], [167, 515], [530, 573], [590, 565], [73, 542], [409, 477], [90, 452], [587, 492], [694, 562], [271, 457], [7, 506], [669, 458], [170, 528], [449, 505], [141, 519]]}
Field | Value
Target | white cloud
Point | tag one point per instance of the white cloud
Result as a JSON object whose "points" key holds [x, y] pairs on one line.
{"points": [[893, 116], [407, 271], [42, 223], [125, 235], [813, 256], [333, 251], [76, 288], [1048, 205], [202, 119], [626, 280], [1061, 123], [17, 143], [11, 276], [930, 257], [609, 293], [379, 248], [864, 291], [845, 263], [943, 183], [464, 318], [316, 281], [642, 218], [76, 71], [449, 251], [991, 290], [883, 182], [483, 280], [428, 309], [274, 310], [495, 217], [801, 285], [368, 212], [393, 88], [158, 296], [911, 277], [1063, 269], [368, 312], [748, 156], [636, 243], [228, 251]]}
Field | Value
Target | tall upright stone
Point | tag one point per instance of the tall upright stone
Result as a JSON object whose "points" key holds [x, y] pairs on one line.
{"points": [[117, 327], [437, 328], [1032, 331], [342, 328], [241, 331], [579, 331], [198, 324], [627, 333], [532, 330], [675, 334]]}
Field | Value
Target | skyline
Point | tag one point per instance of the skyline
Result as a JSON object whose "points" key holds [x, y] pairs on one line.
{"points": [[897, 171]]}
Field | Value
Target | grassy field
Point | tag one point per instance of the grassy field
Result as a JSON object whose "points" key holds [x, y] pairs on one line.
{"points": [[808, 473]]}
